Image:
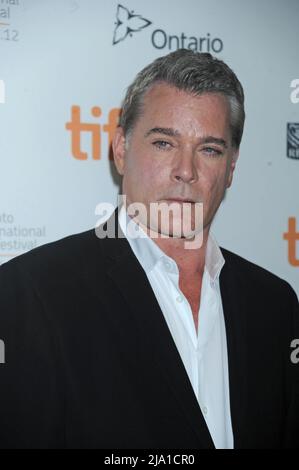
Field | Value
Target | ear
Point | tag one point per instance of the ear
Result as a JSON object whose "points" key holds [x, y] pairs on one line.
{"points": [[119, 149], [232, 167]]}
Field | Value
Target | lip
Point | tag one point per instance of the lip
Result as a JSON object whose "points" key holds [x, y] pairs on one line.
{"points": [[178, 199]]}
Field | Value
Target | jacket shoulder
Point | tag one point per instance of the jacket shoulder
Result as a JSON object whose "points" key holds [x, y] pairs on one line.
{"points": [[55, 258], [255, 276]]}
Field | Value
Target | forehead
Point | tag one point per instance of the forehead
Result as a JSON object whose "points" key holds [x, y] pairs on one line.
{"points": [[166, 105]]}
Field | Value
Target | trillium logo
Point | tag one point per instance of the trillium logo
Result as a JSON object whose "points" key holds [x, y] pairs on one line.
{"points": [[127, 23]]}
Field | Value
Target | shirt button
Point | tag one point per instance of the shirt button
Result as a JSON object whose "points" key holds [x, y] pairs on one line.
{"points": [[167, 264], [179, 299], [205, 410]]}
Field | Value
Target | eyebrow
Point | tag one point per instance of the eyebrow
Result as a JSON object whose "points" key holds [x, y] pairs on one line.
{"points": [[210, 139], [163, 130], [168, 131]]}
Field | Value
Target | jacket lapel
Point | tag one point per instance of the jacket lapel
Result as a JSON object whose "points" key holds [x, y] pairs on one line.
{"points": [[237, 344], [129, 277]]}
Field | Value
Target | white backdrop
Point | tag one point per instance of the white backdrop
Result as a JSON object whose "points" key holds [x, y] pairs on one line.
{"points": [[56, 55]]}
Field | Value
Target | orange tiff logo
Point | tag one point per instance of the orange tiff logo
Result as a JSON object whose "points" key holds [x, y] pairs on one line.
{"points": [[77, 127], [292, 237]]}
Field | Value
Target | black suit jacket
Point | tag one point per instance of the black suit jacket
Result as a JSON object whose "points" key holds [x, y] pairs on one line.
{"points": [[90, 361]]}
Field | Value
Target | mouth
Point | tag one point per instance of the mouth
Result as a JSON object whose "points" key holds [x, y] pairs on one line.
{"points": [[180, 200]]}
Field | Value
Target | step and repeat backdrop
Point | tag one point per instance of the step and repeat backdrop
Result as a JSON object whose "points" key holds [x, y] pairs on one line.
{"points": [[64, 69]]}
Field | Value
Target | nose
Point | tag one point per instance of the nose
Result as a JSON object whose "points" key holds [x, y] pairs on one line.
{"points": [[184, 169]]}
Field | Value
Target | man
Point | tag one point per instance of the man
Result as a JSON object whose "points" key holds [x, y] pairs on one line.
{"points": [[138, 341]]}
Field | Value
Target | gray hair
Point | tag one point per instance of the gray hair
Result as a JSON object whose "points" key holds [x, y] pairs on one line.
{"points": [[193, 72]]}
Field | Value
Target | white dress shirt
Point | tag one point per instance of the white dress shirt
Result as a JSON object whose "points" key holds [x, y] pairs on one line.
{"points": [[204, 355]]}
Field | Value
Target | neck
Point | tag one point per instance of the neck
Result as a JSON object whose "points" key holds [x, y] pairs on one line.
{"points": [[189, 261]]}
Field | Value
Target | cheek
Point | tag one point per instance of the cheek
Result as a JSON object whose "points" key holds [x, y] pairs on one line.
{"points": [[141, 175], [214, 184]]}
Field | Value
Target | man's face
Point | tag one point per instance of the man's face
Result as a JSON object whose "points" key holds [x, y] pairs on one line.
{"points": [[180, 147]]}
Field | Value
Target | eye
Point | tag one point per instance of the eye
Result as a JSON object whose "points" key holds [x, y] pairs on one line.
{"points": [[162, 144], [212, 151]]}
